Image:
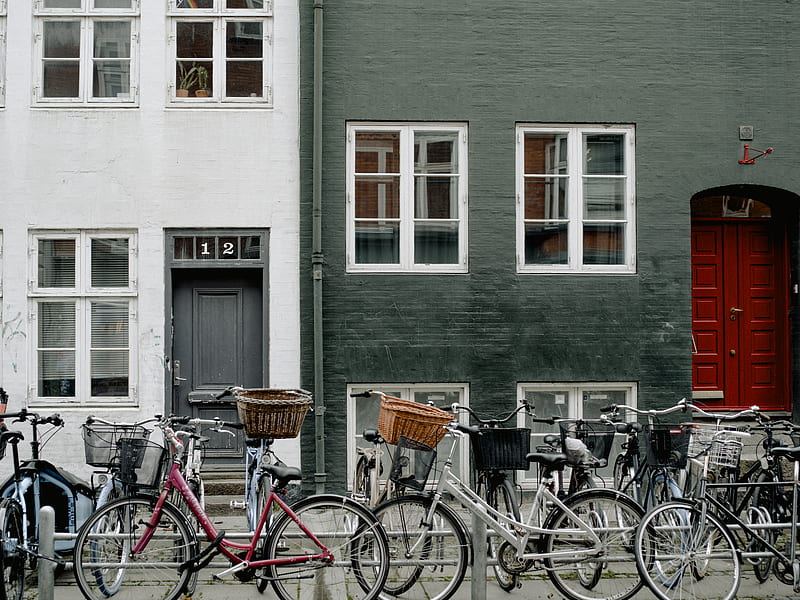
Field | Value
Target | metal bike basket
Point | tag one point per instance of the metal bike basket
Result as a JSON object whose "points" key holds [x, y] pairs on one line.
{"points": [[412, 463], [667, 445], [413, 420], [273, 413], [501, 449], [597, 437], [725, 452], [142, 462], [101, 442]]}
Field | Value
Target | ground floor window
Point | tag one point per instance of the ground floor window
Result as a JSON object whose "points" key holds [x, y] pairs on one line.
{"points": [[363, 413], [574, 401]]}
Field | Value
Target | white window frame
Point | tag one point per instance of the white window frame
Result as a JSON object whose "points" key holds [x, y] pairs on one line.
{"points": [[574, 174], [220, 15], [83, 294], [574, 407], [407, 201], [88, 16], [406, 391], [3, 52]]}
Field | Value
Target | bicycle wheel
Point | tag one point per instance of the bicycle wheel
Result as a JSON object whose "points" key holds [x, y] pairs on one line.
{"points": [[680, 554], [104, 565], [582, 569], [501, 496], [361, 483], [759, 513], [426, 562], [624, 475], [360, 554], [12, 558], [664, 489]]}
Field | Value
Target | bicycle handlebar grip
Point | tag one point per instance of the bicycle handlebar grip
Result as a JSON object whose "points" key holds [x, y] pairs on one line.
{"points": [[234, 425], [55, 420], [366, 394], [223, 393], [609, 408], [180, 420]]}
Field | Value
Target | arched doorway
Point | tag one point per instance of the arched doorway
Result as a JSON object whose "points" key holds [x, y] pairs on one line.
{"points": [[740, 300]]}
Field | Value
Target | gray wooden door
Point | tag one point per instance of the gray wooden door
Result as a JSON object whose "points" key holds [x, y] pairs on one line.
{"points": [[217, 342]]}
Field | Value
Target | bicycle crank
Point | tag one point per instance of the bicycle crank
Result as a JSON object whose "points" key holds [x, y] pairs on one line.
{"points": [[509, 561]]}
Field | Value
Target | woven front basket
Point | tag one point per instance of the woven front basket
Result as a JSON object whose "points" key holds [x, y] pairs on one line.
{"points": [[419, 422], [272, 413]]}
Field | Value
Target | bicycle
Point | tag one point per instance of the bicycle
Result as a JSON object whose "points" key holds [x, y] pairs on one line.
{"points": [[690, 548], [583, 542], [657, 478], [497, 452], [145, 542]]}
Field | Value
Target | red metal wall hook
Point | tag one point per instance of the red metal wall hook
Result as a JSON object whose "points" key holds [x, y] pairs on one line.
{"points": [[749, 160]]}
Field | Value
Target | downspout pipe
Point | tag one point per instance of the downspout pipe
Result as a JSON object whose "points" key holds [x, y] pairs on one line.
{"points": [[317, 257]]}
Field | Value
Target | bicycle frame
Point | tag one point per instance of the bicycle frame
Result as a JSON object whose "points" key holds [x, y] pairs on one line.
{"points": [[503, 525], [228, 548]]}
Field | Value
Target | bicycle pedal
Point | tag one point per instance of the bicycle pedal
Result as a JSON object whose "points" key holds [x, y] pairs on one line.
{"points": [[238, 504]]}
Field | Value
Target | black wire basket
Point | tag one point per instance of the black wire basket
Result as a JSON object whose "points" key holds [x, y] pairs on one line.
{"points": [[412, 464], [598, 438], [142, 463], [501, 449], [101, 442], [667, 445]]}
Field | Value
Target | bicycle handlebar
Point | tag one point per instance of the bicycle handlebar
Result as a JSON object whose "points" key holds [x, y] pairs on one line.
{"points": [[683, 405], [34, 418], [455, 407]]}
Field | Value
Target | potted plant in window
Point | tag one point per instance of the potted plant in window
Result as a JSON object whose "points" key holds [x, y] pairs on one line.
{"points": [[188, 79], [202, 82]]}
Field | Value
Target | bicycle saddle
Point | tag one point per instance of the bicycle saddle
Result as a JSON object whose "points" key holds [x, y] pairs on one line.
{"points": [[548, 460], [790, 453], [283, 474]]}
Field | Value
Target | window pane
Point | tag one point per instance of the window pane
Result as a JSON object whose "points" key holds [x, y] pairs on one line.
{"points": [[604, 155], [61, 80], [109, 349], [195, 3], [377, 152], [436, 198], [244, 39], [56, 267], [62, 39], [545, 153], [112, 39], [604, 243], [435, 152], [195, 39], [377, 242], [113, 3], [111, 79], [184, 248], [604, 198], [594, 400], [244, 79], [377, 197], [546, 198], [245, 3], [56, 355], [546, 244], [62, 3], [110, 263], [435, 243], [251, 247]]}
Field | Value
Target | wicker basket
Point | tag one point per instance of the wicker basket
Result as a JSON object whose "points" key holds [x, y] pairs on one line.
{"points": [[273, 413], [419, 422]]}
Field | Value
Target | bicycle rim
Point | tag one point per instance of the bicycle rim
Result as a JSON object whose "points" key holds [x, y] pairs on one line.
{"points": [[12, 558], [430, 567], [104, 566], [360, 553], [501, 497], [681, 556], [607, 572], [262, 495]]}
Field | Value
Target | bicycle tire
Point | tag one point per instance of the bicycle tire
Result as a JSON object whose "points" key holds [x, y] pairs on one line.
{"points": [[264, 487], [102, 552], [438, 566], [664, 489], [623, 474], [361, 481], [12, 558], [761, 511], [681, 553], [360, 556], [501, 496], [613, 516]]}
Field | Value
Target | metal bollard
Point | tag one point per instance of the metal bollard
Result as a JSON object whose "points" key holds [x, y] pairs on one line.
{"points": [[47, 547], [479, 558]]}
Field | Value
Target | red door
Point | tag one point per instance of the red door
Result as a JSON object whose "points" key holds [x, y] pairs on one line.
{"points": [[739, 315]]}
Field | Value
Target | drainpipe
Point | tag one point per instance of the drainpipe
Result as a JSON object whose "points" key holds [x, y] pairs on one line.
{"points": [[317, 258]]}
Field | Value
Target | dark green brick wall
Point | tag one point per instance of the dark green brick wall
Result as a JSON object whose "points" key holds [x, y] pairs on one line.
{"points": [[686, 74]]}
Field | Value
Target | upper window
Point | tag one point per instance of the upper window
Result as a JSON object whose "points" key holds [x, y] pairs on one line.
{"points": [[221, 51], [83, 290], [575, 189], [86, 51], [407, 198]]}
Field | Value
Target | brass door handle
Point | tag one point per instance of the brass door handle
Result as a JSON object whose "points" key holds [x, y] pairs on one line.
{"points": [[735, 310], [733, 352]]}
